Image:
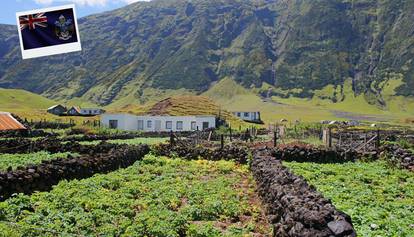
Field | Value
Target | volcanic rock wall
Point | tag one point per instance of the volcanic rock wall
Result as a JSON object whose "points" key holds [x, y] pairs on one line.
{"points": [[295, 208], [43, 176], [399, 156], [312, 154]]}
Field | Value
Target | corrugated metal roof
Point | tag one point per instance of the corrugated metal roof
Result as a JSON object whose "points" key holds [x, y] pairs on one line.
{"points": [[7, 122]]}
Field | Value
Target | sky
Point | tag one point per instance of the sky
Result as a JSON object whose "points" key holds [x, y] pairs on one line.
{"points": [[9, 8]]}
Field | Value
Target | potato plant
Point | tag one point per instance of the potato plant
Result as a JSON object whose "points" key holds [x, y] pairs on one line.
{"points": [[380, 199], [16, 160], [154, 197]]}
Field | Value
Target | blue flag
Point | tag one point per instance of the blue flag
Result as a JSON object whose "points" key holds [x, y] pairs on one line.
{"points": [[48, 29]]}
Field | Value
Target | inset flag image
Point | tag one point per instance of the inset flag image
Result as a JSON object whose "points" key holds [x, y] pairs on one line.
{"points": [[48, 31]]}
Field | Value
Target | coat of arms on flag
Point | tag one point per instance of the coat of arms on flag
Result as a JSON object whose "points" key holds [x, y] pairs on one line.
{"points": [[48, 31]]}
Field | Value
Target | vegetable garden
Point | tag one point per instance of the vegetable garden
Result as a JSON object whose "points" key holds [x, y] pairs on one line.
{"points": [[118, 185]]}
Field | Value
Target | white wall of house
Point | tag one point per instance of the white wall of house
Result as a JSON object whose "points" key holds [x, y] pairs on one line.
{"points": [[249, 116], [158, 123], [91, 111]]}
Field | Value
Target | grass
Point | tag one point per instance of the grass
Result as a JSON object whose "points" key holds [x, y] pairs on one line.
{"points": [[21, 99], [379, 199], [16, 160], [25, 104], [232, 96], [155, 197], [135, 141], [32, 106]]}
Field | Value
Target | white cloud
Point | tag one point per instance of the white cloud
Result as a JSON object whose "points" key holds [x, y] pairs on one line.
{"points": [[45, 2], [87, 2]]}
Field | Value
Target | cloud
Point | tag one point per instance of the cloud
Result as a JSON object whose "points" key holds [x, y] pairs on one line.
{"points": [[91, 3]]}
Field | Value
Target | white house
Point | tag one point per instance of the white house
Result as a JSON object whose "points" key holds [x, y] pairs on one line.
{"points": [[248, 116], [91, 111], [148, 123]]}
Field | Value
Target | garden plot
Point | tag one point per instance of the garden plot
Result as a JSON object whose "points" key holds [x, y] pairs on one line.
{"points": [[22, 160], [154, 197], [379, 199]]}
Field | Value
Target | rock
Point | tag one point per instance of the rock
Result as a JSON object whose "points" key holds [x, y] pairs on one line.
{"points": [[340, 228]]}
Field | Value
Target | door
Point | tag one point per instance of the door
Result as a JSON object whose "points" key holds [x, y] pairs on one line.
{"points": [[140, 125], [157, 125]]}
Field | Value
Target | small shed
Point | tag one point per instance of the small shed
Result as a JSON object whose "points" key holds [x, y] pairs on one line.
{"points": [[74, 110], [57, 109], [9, 123]]}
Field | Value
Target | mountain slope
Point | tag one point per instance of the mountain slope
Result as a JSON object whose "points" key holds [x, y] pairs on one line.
{"points": [[11, 99], [191, 45]]}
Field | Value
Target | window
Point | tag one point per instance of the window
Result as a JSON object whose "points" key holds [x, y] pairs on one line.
{"points": [[168, 125], [238, 114], [193, 125], [205, 125], [140, 124], [149, 124], [113, 124], [246, 114], [179, 125]]}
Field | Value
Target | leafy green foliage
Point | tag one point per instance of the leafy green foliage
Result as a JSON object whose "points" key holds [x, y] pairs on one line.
{"points": [[379, 199], [16, 160], [154, 197]]}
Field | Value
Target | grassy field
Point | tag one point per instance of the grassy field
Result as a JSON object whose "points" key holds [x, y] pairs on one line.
{"points": [[379, 199], [232, 96], [31, 106], [16, 160], [154, 197]]}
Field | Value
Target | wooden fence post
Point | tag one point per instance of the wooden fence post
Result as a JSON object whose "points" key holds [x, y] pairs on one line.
{"points": [[378, 143], [275, 138], [171, 138], [365, 142], [330, 137], [222, 141], [231, 138]]}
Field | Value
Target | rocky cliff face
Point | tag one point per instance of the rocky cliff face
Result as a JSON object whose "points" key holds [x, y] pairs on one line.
{"points": [[172, 44]]}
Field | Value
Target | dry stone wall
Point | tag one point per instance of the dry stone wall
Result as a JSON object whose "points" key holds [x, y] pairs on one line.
{"points": [[295, 208]]}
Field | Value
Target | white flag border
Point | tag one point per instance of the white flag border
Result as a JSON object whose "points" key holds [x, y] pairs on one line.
{"points": [[54, 49]]}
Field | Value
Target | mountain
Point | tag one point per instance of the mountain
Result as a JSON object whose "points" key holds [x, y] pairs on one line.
{"points": [[277, 48]]}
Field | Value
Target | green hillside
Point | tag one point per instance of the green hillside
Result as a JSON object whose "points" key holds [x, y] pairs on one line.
{"points": [[308, 60], [167, 45], [13, 99], [234, 97]]}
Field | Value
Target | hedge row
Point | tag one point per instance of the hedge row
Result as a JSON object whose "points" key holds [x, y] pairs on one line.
{"points": [[294, 207], [43, 176]]}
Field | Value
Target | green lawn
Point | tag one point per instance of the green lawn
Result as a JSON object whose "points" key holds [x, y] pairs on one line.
{"points": [[15, 160], [379, 199], [154, 197]]}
